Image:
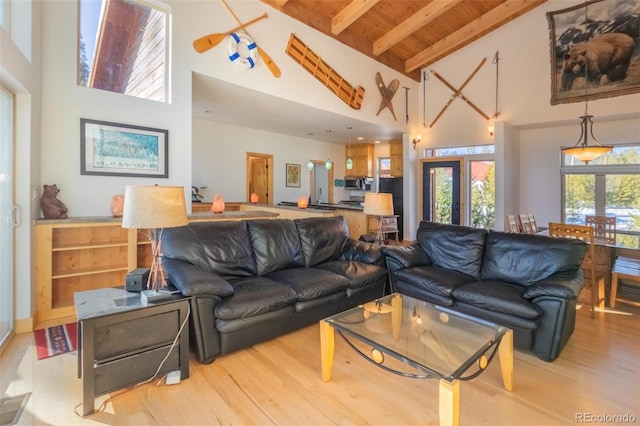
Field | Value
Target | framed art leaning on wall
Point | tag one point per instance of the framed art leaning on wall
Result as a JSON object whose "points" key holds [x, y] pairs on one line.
{"points": [[112, 149]]}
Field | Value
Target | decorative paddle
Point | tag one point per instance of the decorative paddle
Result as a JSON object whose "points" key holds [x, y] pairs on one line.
{"points": [[263, 55], [207, 42]]}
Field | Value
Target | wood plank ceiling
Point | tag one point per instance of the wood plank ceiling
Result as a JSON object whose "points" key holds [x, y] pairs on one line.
{"points": [[405, 35]]}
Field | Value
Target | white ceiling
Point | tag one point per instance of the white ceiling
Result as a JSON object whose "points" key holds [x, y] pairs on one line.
{"points": [[224, 102]]}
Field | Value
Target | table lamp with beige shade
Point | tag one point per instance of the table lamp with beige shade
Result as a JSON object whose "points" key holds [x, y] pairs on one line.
{"points": [[153, 208], [378, 204]]}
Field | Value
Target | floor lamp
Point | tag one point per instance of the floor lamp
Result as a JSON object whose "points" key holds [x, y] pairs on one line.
{"points": [[153, 208], [378, 204]]}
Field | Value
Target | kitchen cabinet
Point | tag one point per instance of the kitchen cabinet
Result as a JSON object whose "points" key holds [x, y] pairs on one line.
{"points": [[362, 156], [396, 157]]}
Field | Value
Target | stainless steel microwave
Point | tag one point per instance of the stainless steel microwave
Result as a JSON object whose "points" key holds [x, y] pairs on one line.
{"points": [[362, 183]]}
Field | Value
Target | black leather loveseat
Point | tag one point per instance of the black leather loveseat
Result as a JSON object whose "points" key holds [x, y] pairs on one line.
{"points": [[250, 281], [528, 283]]}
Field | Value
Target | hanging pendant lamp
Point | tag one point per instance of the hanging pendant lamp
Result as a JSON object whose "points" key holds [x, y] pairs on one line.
{"points": [[349, 160], [328, 164], [582, 150]]}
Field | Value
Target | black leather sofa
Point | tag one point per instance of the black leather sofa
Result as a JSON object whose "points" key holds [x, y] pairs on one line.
{"points": [[250, 281], [528, 283]]}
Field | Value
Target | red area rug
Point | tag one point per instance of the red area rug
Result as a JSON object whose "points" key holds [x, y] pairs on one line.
{"points": [[56, 340]]}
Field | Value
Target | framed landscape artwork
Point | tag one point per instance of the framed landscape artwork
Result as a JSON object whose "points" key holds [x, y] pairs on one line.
{"points": [[293, 175], [594, 50], [111, 149]]}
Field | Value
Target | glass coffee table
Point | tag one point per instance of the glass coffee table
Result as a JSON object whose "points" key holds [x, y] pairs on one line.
{"points": [[435, 342]]}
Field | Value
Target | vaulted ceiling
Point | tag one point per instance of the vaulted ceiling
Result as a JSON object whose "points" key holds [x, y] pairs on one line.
{"points": [[405, 35]]}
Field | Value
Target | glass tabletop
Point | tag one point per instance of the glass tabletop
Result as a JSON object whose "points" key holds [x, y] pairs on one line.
{"points": [[433, 339]]}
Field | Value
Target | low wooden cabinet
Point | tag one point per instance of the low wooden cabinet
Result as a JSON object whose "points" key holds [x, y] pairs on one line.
{"points": [[80, 254]]}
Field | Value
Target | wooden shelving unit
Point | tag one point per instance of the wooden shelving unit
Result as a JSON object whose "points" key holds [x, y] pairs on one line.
{"points": [[79, 254]]}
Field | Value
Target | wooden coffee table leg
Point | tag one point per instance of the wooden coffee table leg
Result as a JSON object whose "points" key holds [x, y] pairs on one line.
{"points": [[396, 315], [327, 346], [505, 353], [449, 402]]}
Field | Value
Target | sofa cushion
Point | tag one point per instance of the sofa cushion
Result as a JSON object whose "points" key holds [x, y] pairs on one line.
{"points": [[359, 274], [524, 259], [455, 247], [254, 296], [433, 279], [220, 247], [310, 283], [497, 296], [321, 238], [276, 245]]}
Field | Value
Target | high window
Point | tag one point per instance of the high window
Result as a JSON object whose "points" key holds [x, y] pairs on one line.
{"points": [[607, 186], [123, 47]]}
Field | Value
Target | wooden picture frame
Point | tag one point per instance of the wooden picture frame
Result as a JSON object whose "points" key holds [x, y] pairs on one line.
{"points": [[611, 28], [113, 149], [293, 175]]}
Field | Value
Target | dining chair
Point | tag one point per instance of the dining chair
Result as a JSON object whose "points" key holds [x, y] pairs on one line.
{"points": [[525, 223], [511, 224], [532, 221], [594, 292], [604, 228]]}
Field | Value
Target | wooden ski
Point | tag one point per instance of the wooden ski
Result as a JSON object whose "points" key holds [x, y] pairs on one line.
{"points": [[324, 73]]}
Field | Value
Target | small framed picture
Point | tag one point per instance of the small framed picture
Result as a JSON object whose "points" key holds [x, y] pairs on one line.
{"points": [[293, 175], [112, 149]]}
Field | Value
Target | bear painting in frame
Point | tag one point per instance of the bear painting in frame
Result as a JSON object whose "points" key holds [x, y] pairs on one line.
{"points": [[600, 51]]}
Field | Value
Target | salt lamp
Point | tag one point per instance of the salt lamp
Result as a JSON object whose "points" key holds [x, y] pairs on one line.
{"points": [[218, 204], [302, 202], [254, 198], [117, 205]]}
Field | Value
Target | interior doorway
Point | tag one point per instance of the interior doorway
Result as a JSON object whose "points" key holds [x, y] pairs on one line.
{"points": [[320, 183], [440, 190], [260, 177]]}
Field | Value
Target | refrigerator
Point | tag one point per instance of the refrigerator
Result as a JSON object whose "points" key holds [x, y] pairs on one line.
{"points": [[394, 187]]}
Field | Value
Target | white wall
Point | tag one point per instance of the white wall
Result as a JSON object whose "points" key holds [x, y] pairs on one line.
{"points": [[219, 161], [535, 130]]}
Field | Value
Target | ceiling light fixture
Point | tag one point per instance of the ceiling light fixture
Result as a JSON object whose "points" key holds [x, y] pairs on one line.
{"points": [[582, 150]]}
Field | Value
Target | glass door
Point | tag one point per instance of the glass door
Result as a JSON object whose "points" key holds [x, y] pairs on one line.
{"points": [[6, 216], [441, 191]]}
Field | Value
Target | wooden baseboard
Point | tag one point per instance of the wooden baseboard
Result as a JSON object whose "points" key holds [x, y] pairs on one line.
{"points": [[24, 325]]}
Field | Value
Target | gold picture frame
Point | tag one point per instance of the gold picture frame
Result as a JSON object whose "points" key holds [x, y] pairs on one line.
{"points": [[293, 175]]}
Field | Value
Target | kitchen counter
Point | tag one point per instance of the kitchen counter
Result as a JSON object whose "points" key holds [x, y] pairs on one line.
{"points": [[325, 206]]}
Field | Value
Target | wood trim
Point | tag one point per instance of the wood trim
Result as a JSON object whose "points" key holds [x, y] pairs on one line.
{"points": [[350, 14]]}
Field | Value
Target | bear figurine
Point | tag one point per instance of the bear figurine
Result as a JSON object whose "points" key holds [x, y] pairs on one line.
{"points": [[50, 205], [606, 54]]}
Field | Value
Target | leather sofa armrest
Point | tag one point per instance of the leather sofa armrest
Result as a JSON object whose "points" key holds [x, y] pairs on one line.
{"points": [[406, 256], [362, 251], [566, 285], [192, 280]]}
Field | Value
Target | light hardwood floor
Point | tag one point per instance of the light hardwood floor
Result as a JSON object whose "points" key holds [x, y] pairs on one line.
{"points": [[278, 383]]}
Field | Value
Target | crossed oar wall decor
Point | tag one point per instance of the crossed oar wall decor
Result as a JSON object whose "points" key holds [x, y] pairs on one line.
{"points": [[457, 93], [205, 43]]}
